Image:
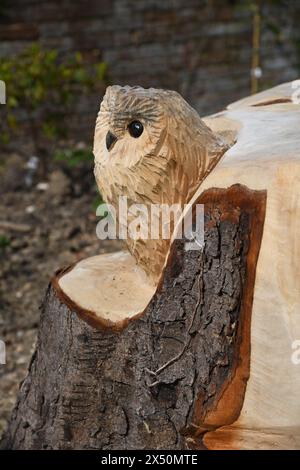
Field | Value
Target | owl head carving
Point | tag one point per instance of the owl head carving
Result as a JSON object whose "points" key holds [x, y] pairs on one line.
{"points": [[151, 146]]}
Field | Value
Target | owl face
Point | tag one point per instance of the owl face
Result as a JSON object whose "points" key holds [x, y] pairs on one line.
{"points": [[130, 127], [151, 146]]}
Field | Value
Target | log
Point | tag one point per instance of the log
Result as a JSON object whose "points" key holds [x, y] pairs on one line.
{"points": [[172, 374]]}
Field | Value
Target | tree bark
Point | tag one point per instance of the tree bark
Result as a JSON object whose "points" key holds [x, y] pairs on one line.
{"points": [[173, 374]]}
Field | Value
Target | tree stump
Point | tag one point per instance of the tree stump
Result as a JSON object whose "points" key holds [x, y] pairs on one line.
{"points": [[205, 356], [171, 375]]}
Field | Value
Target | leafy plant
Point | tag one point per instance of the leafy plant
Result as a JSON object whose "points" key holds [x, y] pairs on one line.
{"points": [[3, 8], [74, 156], [97, 201], [4, 242], [42, 90]]}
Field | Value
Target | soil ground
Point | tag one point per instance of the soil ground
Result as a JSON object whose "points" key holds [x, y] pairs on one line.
{"points": [[43, 227]]}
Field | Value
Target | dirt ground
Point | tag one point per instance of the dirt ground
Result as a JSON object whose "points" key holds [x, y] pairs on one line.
{"points": [[42, 228]]}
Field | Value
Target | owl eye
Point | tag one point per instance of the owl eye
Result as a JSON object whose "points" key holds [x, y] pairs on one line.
{"points": [[135, 129]]}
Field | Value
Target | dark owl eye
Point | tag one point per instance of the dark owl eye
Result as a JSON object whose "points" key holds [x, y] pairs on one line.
{"points": [[135, 129]]}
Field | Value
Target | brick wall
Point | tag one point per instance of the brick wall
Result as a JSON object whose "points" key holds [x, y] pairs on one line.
{"points": [[200, 48]]}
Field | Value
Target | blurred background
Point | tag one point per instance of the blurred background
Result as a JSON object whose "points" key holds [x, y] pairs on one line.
{"points": [[56, 59]]}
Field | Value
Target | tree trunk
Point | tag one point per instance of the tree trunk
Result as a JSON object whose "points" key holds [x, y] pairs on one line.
{"points": [[172, 375]]}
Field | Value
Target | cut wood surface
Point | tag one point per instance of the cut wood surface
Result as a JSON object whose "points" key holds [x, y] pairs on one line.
{"points": [[107, 289]]}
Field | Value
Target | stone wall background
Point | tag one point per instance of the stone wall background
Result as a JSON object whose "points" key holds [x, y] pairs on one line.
{"points": [[200, 48]]}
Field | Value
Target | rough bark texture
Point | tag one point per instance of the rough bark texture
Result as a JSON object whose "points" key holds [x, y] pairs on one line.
{"points": [[154, 384]]}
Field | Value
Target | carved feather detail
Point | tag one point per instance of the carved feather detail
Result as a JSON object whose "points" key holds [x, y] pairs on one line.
{"points": [[166, 164]]}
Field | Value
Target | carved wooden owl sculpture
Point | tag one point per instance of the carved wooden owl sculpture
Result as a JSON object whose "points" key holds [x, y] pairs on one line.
{"points": [[152, 147]]}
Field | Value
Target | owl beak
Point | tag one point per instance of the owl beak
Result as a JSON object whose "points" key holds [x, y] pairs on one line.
{"points": [[110, 140]]}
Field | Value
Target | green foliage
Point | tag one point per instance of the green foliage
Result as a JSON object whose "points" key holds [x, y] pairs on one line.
{"points": [[3, 8], [97, 201], [42, 91], [73, 157], [4, 242]]}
